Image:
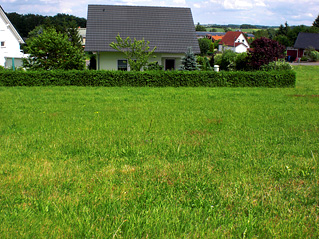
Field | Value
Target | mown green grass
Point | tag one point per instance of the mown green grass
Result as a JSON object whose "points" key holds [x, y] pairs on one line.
{"points": [[81, 162]]}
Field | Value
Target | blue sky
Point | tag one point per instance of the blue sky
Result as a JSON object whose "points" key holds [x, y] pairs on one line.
{"points": [[255, 12]]}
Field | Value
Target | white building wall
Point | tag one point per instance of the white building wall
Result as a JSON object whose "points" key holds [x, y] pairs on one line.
{"points": [[243, 40], [11, 46], [108, 60], [240, 48]]}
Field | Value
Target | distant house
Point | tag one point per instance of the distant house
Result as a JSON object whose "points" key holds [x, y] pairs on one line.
{"points": [[10, 41], [214, 36], [170, 29], [235, 41], [304, 40], [82, 33]]}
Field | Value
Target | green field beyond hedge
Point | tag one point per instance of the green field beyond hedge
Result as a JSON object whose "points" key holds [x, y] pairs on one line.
{"points": [[139, 162]]}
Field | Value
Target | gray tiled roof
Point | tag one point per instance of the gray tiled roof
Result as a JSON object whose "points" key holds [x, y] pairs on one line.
{"points": [[306, 40], [170, 29]]}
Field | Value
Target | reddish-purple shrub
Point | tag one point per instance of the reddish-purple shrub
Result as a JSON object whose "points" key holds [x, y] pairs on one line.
{"points": [[264, 51]]}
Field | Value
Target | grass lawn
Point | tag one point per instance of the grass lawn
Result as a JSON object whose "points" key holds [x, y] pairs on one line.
{"points": [[96, 162]]}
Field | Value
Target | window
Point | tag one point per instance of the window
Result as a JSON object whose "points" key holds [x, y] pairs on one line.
{"points": [[122, 65], [169, 64], [2, 44]]}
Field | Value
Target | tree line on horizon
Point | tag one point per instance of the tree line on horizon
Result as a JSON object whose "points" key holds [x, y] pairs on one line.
{"points": [[26, 23], [284, 34]]}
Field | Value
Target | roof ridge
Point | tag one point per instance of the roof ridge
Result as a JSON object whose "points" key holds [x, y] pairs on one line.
{"points": [[6, 19]]}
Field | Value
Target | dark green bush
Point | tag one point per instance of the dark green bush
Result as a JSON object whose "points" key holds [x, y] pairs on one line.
{"points": [[149, 78], [227, 61]]}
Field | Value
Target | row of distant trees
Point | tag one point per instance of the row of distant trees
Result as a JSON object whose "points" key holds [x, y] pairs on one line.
{"points": [[25, 23], [286, 35], [202, 28], [53, 42]]}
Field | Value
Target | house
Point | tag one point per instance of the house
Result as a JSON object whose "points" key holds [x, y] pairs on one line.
{"points": [[235, 41], [10, 40], [82, 33], [304, 40], [170, 29]]}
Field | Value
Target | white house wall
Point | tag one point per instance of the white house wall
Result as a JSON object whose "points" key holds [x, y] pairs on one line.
{"points": [[108, 60], [242, 39], [11, 46], [241, 48]]}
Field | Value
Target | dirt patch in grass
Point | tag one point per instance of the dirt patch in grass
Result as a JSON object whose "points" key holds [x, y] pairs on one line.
{"points": [[311, 96]]}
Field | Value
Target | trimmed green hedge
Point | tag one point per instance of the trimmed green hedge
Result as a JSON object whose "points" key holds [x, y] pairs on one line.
{"points": [[149, 78]]}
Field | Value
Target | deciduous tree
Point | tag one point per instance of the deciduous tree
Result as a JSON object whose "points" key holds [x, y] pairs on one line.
{"points": [[264, 51], [50, 50], [200, 28], [204, 45], [137, 52]]}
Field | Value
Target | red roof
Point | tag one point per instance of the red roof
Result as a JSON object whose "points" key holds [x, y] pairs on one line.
{"points": [[230, 38]]}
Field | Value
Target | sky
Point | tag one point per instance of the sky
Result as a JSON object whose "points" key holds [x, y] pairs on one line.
{"points": [[254, 12]]}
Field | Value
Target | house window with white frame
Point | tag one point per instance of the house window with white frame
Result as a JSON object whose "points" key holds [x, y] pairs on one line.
{"points": [[122, 65]]}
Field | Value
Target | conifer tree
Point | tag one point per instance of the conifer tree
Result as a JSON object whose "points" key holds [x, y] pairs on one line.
{"points": [[316, 22], [189, 61]]}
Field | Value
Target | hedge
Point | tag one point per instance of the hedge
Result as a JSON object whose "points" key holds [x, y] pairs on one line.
{"points": [[149, 78]]}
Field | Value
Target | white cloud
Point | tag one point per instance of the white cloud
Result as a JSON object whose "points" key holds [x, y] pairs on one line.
{"points": [[260, 3], [179, 1], [9, 1], [238, 4], [261, 12]]}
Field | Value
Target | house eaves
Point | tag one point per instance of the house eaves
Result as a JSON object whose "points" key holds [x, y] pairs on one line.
{"points": [[9, 25]]}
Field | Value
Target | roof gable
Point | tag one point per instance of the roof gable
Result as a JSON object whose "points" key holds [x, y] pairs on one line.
{"points": [[230, 38], [306, 40], [9, 24], [171, 30]]}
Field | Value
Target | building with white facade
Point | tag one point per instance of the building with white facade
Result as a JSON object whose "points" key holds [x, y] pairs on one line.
{"points": [[235, 41], [10, 40]]}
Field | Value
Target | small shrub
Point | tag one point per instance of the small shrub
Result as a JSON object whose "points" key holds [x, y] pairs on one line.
{"points": [[203, 63], [276, 65], [228, 60], [304, 58], [204, 45], [242, 61], [189, 61], [311, 54], [153, 66]]}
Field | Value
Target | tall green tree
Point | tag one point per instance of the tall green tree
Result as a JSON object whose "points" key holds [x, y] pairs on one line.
{"points": [[26, 23], [200, 28], [204, 45], [137, 52], [50, 50]]}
